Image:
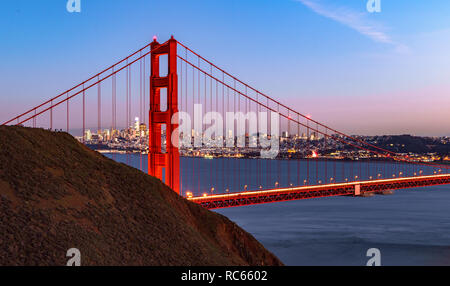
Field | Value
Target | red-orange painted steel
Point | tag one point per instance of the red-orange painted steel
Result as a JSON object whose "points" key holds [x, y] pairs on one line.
{"points": [[300, 193], [169, 161]]}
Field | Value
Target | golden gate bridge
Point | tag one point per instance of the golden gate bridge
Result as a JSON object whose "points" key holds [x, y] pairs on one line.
{"points": [[177, 80]]}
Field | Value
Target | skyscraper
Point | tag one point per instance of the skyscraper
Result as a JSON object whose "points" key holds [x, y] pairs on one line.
{"points": [[136, 124]]}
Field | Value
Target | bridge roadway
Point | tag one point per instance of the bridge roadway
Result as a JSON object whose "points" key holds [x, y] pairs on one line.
{"points": [[359, 188]]}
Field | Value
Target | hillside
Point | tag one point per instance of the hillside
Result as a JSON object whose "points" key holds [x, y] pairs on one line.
{"points": [[56, 194], [414, 144]]}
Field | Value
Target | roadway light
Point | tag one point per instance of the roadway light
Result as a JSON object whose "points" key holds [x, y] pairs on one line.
{"points": [[205, 194], [245, 187], [227, 190], [260, 187], [276, 184], [320, 182], [370, 178], [212, 189]]}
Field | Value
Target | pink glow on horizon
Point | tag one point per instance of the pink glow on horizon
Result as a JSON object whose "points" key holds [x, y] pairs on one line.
{"points": [[422, 112]]}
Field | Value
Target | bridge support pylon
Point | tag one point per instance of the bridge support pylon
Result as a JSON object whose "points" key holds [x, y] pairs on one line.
{"points": [[167, 162], [357, 190]]}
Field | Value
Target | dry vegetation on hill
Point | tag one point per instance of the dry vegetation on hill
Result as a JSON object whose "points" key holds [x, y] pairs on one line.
{"points": [[56, 194]]}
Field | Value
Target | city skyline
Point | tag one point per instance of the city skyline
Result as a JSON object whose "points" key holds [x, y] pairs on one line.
{"points": [[135, 139]]}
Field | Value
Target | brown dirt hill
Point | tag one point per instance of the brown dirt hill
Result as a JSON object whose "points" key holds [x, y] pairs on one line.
{"points": [[56, 194]]}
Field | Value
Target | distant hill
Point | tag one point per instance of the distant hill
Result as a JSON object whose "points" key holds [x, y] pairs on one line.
{"points": [[56, 194], [414, 144]]}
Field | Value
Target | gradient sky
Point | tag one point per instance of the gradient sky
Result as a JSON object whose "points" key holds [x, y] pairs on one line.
{"points": [[362, 73]]}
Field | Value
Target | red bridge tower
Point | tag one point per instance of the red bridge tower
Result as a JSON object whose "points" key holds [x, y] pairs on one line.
{"points": [[169, 162]]}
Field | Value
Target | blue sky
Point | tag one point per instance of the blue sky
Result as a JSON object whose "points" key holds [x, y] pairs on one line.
{"points": [[360, 72]]}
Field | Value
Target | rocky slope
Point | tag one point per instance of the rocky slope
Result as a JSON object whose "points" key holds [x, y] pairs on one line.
{"points": [[56, 194]]}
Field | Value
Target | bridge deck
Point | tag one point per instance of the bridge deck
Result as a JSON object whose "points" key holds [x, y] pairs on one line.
{"points": [[317, 191]]}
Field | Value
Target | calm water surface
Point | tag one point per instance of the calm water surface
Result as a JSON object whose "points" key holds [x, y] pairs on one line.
{"points": [[411, 227]]}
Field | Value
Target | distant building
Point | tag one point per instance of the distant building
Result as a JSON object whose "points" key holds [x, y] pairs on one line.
{"points": [[88, 135], [106, 134], [136, 124], [142, 129]]}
